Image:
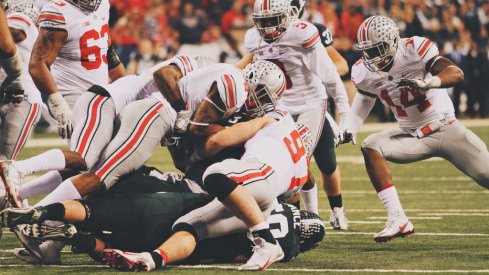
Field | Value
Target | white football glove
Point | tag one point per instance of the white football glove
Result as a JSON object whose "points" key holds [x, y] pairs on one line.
{"points": [[345, 136], [182, 121], [420, 84], [62, 113]]}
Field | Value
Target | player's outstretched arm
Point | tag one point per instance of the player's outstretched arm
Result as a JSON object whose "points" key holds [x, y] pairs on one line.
{"points": [[448, 73], [166, 79], [363, 103], [338, 60], [235, 135], [247, 59]]}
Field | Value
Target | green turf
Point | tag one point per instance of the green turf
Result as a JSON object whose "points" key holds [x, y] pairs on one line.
{"points": [[437, 197]]}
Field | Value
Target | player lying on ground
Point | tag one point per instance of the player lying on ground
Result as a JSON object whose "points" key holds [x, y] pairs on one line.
{"points": [[275, 164], [295, 46], [99, 111], [410, 77], [139, 213]]}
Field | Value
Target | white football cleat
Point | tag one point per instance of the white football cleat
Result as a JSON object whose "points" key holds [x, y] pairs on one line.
{"points": [[337, 219], [128, 261], [12, 180], [394, 228], [264, 254], [50, 251]]}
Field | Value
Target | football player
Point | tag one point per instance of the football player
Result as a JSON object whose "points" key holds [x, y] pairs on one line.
{"points": [[20, 112], [98, 110], [295, 46], [410, 77], [275, 163], [10, 59], [72, 53]]}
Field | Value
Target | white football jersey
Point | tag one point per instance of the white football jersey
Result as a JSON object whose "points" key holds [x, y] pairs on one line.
{"points": [[305, 62], [135, 87], [230, 84], [287, 158], [82, 61], [20, 21], [412, 109]]}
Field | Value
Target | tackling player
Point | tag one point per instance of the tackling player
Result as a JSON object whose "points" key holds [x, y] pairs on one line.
{"points": [[275, 163], [295, 47], [72, 53], [410, 77]]}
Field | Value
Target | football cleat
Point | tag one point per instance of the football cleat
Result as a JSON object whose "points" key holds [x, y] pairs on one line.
{"points": [[394, 228], [337, 219], [24, 255], [11, 217], [31, 245], [264, 254], [128, 261], [12, 180], [45, 232]]}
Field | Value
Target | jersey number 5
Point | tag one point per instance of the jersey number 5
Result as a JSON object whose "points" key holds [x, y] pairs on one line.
{"points": [[295, 146], [91, 57], [419, 100]]}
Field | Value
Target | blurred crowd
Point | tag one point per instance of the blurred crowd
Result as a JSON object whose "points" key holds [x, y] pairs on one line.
{"points": [[148, 31]]}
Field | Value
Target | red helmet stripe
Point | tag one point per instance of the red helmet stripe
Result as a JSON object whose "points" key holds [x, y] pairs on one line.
{"points": [[265, 5], [365, 25]]}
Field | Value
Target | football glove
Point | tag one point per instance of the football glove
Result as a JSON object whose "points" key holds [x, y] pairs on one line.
{"points": [[345, 136], [182, 121], [420, 84], [62, 113], [13, 68], [12, 95]]}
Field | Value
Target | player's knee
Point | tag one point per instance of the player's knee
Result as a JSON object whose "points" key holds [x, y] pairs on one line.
{"points": [[219, 185], [326, 161], [371, 143]]}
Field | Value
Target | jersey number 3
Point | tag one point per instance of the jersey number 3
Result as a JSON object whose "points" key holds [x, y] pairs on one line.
{"points": [[91, 57]]}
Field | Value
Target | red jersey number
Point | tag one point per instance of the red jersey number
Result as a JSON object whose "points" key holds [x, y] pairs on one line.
{"points": [[295, 146], [91, 56], [418, 99]]}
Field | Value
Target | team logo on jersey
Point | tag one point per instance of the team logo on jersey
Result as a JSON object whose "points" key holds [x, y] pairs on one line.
{"points": [[378, 84]]}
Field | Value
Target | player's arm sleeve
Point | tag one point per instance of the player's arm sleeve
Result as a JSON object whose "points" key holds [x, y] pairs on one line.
{"points": [[423, 48], [52, 18], [19, 22], [363, 103]]}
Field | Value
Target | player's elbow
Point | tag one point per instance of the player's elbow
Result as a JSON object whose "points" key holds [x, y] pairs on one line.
{"points": [[459, 76], [214, 144]]}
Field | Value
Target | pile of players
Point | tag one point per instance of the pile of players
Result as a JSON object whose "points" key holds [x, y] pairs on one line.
{"points": [[241, 135]]}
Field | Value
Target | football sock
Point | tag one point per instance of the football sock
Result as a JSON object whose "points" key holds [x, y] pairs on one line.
{"points": [[159, 257], [310, 198], [43, 185], [262, 230], [390, 199], [55, 212], [65, 191], [335, 201], [50, 160]]}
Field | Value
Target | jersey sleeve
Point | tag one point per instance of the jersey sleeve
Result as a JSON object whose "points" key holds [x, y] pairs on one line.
{"points": [[251, 39], [19, 21], [422, 48], [52, 17], [185, 63], [232, 89], [325, 35], [306, 34]]}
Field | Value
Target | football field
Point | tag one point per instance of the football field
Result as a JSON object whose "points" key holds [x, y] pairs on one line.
{"points": [[449, 211]]}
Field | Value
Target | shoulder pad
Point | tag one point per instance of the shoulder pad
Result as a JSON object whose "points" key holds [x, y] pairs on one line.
{"points": [[51, 16], [305, 33], [325, 34], [251, 39]]}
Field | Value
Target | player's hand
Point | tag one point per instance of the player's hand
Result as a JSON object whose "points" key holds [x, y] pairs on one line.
{"points": [[420, 84], [182, 121], [345, 136], [62, 113], [12, 94]]}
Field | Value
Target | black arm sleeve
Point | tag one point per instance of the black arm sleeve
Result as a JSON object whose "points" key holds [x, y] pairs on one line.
{"points": [[112, 58], [326, 35]]}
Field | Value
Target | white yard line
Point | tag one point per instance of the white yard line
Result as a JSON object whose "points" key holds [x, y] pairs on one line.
{"points": [[416, 234], [411, 218]]}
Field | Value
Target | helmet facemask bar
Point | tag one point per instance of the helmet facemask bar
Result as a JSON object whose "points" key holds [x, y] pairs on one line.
{"points": [[260, 101], [86, 5], [271, 25], [376, 56]]}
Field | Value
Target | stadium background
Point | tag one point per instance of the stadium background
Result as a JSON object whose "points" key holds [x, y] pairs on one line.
{"points": [[148, 31]]}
